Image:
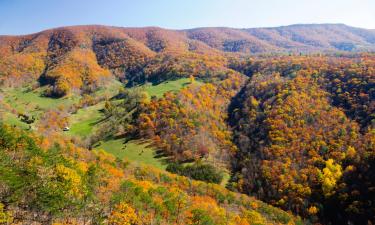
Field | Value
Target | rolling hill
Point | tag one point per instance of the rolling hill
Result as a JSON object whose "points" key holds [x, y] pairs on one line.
{"points": [[80, 58], [283, 114]]}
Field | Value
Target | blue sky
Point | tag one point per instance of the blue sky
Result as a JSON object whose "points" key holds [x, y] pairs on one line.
{"points": [[27, 16]]}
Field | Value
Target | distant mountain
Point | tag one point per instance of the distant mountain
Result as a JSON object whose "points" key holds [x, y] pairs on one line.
{"points": [[299, 37], [295, 38], [72, 58], [319, 37]]}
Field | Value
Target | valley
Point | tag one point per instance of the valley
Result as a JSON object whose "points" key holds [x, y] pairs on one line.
{"points": [[199, 126]]}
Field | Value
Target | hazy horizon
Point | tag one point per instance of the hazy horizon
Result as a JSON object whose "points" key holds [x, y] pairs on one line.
{"points": [[19, 17], [78, 25]]}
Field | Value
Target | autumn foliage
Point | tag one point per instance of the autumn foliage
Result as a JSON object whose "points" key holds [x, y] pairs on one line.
{"points": [[296, 131], [298, 124], [191, 124], [59, 183]]}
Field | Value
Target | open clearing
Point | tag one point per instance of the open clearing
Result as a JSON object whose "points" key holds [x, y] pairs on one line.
{"points": [[134, 151]]}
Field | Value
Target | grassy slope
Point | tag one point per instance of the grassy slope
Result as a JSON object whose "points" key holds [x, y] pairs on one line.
{"points": [[33, 101], [12, 120], [84, 121], [160, 89], [134, 151], [30, 102]]}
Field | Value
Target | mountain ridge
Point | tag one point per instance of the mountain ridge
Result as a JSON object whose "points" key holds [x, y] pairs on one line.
{"points": [[75, 57], [360, 38], [187, 29]]}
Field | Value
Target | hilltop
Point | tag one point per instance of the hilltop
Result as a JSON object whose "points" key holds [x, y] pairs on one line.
{"points": [[83, 57]]}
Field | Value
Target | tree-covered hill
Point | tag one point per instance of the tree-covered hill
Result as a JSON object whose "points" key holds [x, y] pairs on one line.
{"points": [[285, 115], [45, 182], [81, 58]]}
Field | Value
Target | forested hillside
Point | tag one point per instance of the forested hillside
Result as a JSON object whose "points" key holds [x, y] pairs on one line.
{"points": [[304, 127], [110, 125], [80, 57], [59, 183]]}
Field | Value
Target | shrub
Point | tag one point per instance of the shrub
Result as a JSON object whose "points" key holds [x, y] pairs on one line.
{"points": [[197, 171]]}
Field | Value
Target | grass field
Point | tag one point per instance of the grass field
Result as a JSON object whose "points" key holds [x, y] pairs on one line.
{"points": [[33, 100], [134, 151], [12, 120], [30, 102], [172, 85], [84, 121]]}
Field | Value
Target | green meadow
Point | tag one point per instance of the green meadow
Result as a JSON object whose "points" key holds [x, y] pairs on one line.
{"points": [[134, 151]]}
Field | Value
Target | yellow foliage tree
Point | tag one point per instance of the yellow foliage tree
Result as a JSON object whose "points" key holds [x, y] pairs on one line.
{"points": [[313, 210], [123, 214], [331, 174], [71, 178], [5, 217]]}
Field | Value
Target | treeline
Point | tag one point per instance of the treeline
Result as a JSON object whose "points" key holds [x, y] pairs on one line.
{"points": [[197, 171]]}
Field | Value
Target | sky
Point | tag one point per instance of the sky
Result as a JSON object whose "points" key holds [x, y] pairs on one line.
{"points": [[29, 16]]}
